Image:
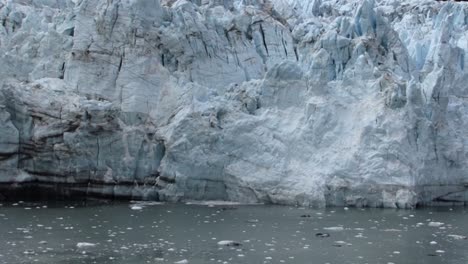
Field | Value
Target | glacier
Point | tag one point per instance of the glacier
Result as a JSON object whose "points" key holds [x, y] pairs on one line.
{"points": [[301, 102]]}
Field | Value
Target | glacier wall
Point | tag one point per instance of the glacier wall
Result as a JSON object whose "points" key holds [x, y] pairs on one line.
{"points": [[309, 102]]}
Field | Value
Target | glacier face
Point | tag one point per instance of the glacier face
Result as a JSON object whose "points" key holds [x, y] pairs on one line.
{"points": [[310, 102]]}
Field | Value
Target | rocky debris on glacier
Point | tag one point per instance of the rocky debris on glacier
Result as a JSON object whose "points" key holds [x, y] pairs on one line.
{"points": [[324, 102]]}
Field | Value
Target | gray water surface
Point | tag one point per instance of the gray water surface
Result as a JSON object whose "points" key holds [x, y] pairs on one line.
{"points": [[170, 233]]}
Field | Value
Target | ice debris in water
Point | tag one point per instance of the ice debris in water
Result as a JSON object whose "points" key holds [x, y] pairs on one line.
{"points": [[136, 207], [334, 228], [341, 243], [229, 243], [458, 237], [212, 203], [85, 245], [322, 235], [435, 224], [184, 261]]}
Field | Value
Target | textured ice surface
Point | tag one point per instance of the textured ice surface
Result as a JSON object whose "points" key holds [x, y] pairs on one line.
{"points": [[346, 102]]}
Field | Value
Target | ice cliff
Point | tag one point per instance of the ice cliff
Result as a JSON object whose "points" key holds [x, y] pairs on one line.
{"points": [[309, 102]]}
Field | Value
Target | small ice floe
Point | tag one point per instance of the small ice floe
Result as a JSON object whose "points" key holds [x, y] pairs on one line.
{"points": [[433, 243], [391, 230], [440, 251], [360, 235], [341, 244], [184, 261], [212, 203], [85, 245], [322, 235], [334, 228], [147, 203], [435, 224], [457, 237], [136, 207], [139, 205], [229, 243]]}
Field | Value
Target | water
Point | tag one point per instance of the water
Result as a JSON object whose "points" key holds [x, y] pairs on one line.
{"points": [[168, 233]]}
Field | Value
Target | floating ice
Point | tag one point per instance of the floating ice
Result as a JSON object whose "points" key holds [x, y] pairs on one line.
{"points": [[341, 243], [334, 228], [213, 203], [457, 237], [229, 243], [85, 245], [435, 224]]}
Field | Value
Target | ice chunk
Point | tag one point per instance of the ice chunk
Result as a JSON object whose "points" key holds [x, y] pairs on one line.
{"points": [[334, 228], [457, 237], [435, 224], [229, 243], [85, 245]]}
